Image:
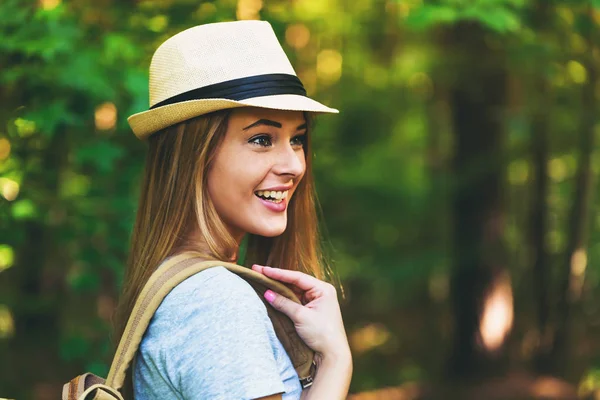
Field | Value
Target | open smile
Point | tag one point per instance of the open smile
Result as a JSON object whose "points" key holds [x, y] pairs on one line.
{"points": [[273, 200], [272, 195]]}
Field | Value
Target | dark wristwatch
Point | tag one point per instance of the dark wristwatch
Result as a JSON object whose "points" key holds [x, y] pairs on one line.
{"points": [[308, 381]]}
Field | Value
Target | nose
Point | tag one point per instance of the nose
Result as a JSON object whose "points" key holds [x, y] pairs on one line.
{"points": [[290, 162]]}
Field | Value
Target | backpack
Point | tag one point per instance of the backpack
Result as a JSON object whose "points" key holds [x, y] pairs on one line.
{"points": [[161, 282]]}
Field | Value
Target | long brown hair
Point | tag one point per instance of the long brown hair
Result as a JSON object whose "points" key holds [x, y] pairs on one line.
{"points": [[174, 192]]}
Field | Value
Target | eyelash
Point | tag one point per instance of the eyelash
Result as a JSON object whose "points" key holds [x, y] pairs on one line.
{"points": [[301, 138]]}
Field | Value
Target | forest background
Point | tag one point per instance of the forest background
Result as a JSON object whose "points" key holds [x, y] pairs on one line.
{"points": [[457, 184]]}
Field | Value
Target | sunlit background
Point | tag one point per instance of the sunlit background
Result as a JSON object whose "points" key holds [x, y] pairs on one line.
{"points": [[458, 184]]}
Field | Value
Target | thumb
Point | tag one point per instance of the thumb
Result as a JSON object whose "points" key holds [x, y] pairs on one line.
{"points": [[283, 304]]}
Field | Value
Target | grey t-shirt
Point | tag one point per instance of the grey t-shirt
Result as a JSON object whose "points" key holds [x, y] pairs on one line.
{"points": [[211, 338]]}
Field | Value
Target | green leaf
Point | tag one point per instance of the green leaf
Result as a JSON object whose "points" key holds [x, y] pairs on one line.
{"points": [[430, 15], [498, 19]]}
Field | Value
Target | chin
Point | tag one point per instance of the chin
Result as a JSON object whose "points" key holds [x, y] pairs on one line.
{"points": [[270, 231]]}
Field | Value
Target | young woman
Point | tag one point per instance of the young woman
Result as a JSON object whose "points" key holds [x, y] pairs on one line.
{"points": [[228, 133]]}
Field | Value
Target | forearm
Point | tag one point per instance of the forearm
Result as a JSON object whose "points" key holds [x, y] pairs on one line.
{"points": [[332, 379]]}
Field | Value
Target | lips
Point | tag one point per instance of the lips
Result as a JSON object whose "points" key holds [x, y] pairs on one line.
{"points": [[272, 206]]}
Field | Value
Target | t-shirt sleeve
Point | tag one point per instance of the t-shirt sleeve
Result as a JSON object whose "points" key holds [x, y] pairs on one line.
{"points": [[221, 348]]}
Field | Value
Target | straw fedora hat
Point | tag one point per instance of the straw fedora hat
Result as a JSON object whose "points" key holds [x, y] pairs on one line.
{"points": [[217, 66]]}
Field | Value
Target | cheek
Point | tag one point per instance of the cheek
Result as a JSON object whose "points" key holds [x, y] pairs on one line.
{"points": [[233, 181], [303, 161]]}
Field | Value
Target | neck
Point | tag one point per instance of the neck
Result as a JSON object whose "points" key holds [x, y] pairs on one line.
{"points": [[197, 243]]}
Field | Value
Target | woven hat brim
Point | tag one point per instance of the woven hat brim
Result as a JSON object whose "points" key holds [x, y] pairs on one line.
{"points": [[148, 122]]}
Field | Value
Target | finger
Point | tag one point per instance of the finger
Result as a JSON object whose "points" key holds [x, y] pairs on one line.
{"points": [[297, 278], [283, 304], [257, 268], [297, 291]]}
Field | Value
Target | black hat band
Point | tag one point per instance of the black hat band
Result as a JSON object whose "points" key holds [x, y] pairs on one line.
{"points": [[241, 89]]}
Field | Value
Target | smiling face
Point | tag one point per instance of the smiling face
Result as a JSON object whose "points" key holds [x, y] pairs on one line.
{"points": [[256, 170]]}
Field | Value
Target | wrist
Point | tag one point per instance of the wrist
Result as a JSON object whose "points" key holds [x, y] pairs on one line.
{"points": [[338, 358], [333, 376]]}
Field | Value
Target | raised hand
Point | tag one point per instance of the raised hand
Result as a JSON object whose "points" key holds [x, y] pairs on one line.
{"points": [[319, 320]]}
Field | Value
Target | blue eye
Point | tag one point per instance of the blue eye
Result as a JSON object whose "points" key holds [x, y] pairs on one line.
{"points": [[299, 140], [261, 140]]}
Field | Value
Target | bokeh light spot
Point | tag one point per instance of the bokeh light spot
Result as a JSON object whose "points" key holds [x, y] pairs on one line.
{"points": [[566, 14], [24, 209], [329, 66], [7, 324], [7, 257], [369, 337], [557, 169], [105, 116], [497, 318], [297, 35], [158, 23], [576, 71], [578, 262], [49, 4], [4, 148], [205, 11], [578, 43], [518, 172], [248, 9], [9, 189], [24, 127]]}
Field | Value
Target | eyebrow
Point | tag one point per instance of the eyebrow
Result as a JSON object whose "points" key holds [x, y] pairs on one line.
{"points": [[269, 122]]}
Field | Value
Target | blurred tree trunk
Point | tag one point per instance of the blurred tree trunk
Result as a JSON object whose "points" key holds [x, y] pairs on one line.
{"points": [[478, 96], [34, 355], [574, 264], [542, 103], [539, 226]]}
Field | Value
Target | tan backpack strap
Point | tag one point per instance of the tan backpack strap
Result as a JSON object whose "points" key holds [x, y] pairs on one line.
{"points": [[87, 384], [174, 271]]}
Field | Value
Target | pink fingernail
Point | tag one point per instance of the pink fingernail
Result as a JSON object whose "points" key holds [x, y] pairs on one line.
{"points": [[270, 296]]}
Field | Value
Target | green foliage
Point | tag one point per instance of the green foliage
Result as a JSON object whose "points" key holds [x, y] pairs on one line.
{"points": [[103, 155], [383, 166], [502, 16]]}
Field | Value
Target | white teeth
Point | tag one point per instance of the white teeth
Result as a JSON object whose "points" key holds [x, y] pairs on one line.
{"points": [[272, 194]]}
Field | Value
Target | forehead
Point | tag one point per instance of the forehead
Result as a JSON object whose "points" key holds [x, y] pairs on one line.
{"points": [[241, 117]]}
